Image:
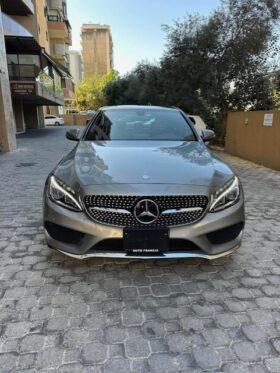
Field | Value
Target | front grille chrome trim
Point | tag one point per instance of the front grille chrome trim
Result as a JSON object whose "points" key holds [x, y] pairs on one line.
{"points": [[180, 211], [106, 209], [168, 255]]}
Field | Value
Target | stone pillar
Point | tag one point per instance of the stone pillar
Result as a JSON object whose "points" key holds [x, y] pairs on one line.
{"points": [[19, 116], [7, 123], [41, 116]]}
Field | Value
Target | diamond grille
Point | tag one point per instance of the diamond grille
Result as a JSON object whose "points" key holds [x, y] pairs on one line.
{"points": [[106, 203]]}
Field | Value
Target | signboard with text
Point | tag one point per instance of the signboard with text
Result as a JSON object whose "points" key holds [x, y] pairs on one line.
{"points": [[268, 120], [23, 89]]}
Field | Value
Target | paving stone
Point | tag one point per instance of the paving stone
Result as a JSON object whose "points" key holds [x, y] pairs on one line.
{"points": [[246, 351], [206, 358], [137, 347], [216, 337], [272, 364], [177, 342], [163, 363], [191, 324], [94, 353], [119, 365], [32, 343], [51, 357], [153, 329], [132, 317], [227, 320], [276, 344], [254, 333], [115, 334], [17, 329], [8, 362], [57, 324], [183, 315]]}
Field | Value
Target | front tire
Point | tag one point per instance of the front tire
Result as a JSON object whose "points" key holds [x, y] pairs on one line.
{"points": [[56, 123]]}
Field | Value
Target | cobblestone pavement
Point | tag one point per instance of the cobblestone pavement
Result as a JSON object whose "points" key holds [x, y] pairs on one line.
{"points": [[62, 315]]}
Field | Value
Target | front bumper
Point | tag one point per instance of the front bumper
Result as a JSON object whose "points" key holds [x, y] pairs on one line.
{"points": [[92, 234]]}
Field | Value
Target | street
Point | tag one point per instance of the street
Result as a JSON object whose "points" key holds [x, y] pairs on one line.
{"points": [[62, 315]]}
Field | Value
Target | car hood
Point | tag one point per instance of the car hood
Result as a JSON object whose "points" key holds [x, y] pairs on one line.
{"points": [[142, 162]]}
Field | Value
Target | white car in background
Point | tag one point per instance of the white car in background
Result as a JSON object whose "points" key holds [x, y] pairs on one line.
{"points": [[198, 122], [52, 120]]}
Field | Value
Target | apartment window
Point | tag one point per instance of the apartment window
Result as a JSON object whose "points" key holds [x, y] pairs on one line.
{"points": [[54, 16], [63, 83], [28, 59], [12, 59]]}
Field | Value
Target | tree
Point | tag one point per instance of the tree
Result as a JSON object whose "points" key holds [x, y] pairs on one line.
{"points": [[90, 94], [212, 64], [224, 59]]}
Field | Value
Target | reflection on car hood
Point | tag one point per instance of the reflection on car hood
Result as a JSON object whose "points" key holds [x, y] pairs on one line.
{"points": [[142, 162]]}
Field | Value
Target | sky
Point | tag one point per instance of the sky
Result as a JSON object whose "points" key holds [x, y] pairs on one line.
{"points": [[135, 24]]}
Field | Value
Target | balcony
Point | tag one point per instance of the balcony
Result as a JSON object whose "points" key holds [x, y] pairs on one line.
{"points": [[18, 7], [57, 29], [30, 84], [35, 93], [55, 4], [49, 95]]}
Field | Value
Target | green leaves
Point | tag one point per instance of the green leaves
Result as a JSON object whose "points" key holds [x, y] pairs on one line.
{"points": [[90, 94], [212, 65]]}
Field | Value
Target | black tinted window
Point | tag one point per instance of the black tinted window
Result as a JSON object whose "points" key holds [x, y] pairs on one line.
{"points": [[140, 124]]}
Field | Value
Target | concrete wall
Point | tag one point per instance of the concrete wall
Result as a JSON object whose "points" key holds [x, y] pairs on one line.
{"points": [[43, 25], [7, 122], [19, 116], [75, 119], [248, 137]]}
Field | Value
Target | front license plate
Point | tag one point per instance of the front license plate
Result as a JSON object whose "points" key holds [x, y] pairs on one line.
{"points": [[145, 241]]}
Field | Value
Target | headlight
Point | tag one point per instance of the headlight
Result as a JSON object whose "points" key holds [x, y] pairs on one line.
{"points": [[63, 195], [226, 196]]}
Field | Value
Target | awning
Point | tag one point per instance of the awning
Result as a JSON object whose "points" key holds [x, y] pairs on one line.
{"points": [[16, 44], [63, 71], [19, 7]]}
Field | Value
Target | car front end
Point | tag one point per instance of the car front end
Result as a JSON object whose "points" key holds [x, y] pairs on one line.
{"points": [[94, 222]]}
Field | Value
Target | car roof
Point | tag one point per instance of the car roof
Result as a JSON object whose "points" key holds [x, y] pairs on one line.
{"points": [[141, 107]]}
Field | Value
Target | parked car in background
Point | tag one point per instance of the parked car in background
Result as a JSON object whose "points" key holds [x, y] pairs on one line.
{"points": [[198, 122], [91, 112], [83, 112], [52, 120]]}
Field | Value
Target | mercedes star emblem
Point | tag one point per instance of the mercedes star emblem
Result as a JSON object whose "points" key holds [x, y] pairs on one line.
{"points": [[146, 211]]}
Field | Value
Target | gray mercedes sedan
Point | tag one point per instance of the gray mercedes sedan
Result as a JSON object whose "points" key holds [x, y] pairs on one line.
{"points": [[141, 183]]}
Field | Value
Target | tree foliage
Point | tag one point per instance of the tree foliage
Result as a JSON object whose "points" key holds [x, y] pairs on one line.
{"points": [[211, 65], [90, 93]]}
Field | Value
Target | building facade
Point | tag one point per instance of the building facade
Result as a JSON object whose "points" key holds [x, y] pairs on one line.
{"points": [[59, 41], [97, 49], [31, 78], [76, 66]]}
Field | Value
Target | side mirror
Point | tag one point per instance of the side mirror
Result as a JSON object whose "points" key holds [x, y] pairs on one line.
{"points": [[73, 135], [207, 135]]}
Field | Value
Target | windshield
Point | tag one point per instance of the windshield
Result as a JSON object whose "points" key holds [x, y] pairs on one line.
{"points": [[140, 124]]}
